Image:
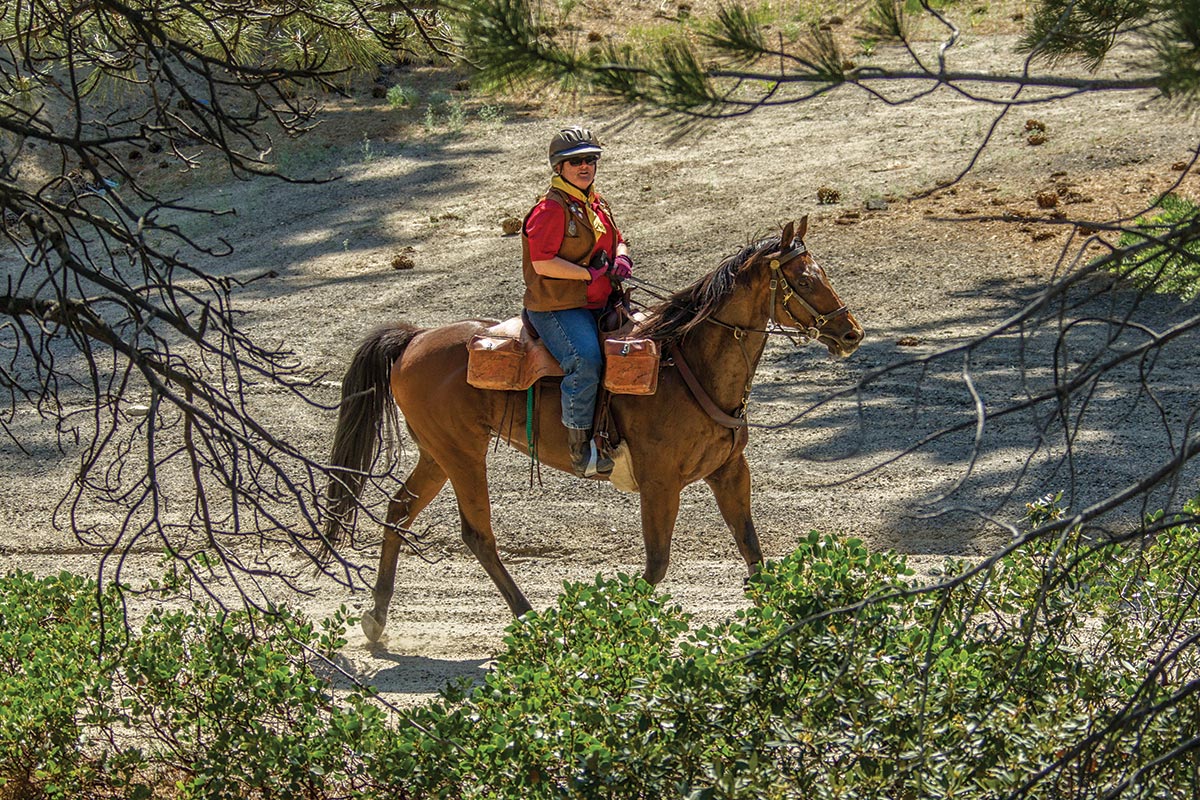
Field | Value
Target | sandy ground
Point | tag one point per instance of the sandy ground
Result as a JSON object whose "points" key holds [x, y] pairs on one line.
{"points": [[921, 274]]}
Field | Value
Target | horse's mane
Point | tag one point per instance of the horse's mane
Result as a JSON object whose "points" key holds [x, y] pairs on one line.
{"points": [[669, 320]]}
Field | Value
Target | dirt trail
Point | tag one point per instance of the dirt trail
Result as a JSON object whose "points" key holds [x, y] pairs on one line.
{"points": [[921, 275]]}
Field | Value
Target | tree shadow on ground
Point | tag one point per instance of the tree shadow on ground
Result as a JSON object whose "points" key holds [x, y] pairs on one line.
{"points": [[974, 427]]}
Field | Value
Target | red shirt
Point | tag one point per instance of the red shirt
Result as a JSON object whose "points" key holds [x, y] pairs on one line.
{"points": [[547, 227]]}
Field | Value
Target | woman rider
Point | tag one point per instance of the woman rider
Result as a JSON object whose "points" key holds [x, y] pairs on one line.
{"points": [[567, 282]]}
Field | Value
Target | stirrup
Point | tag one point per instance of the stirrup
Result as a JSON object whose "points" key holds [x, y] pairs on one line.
{"points": [[594, 462]]}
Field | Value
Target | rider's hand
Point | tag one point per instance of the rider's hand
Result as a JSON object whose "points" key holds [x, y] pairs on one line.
{"points": [[598, 265], [622, 267]]}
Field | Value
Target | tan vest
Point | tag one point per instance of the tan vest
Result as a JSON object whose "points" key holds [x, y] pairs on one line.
{"points": [[557, 294]]}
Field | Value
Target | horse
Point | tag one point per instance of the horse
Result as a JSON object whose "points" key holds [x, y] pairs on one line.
{"points": [[691, 428]]}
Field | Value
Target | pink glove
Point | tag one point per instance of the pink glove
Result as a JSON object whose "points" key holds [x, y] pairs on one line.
{"points": [[622, 268], [596, 272]]}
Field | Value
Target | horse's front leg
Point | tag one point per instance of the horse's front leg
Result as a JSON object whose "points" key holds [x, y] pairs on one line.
{"points": [[731, 486], [660, 507]]}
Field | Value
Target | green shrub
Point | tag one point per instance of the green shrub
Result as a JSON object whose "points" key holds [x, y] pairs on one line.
{"points": [[236, 698], [1067, 667], [964, 691], [212, 703], [1166, 255], [402, 96], [55, 685]]}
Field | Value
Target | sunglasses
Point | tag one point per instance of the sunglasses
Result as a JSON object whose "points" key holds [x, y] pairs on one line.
{"points": [[581, 160]]}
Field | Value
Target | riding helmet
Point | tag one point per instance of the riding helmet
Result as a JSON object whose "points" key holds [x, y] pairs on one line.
{"points": [[571, 142]]}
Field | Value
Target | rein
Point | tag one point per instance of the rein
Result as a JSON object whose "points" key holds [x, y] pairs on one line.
{"points": [[809, 333]]}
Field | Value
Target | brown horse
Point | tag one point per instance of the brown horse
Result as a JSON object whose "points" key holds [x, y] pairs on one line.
{"points": [[719, 326]]}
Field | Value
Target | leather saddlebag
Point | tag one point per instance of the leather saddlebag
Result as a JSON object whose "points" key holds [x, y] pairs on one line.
{"points": [[494, 362], [631, 366]]}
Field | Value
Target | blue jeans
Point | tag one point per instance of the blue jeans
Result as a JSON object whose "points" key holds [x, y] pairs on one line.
{"points": [[572, 339]]}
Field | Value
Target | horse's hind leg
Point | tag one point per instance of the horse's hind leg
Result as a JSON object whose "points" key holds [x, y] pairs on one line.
{"points": [[471, 490], [421, 486], [731, 486], [482, 542]]}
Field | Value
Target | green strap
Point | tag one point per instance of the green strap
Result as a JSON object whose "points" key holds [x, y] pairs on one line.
{"points": [[529, 422]]}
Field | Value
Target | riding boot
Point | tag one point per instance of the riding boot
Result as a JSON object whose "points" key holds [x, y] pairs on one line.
{"points": [[586, 459]]}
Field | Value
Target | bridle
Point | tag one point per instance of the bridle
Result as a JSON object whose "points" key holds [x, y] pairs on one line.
{"points": [[778, 277], [808, 333]]}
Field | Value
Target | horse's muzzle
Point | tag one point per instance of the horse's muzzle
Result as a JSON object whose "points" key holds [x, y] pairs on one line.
{"points": [[842, 343]]}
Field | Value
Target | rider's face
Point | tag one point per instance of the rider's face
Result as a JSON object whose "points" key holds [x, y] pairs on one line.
{"points": [[581, 173]]}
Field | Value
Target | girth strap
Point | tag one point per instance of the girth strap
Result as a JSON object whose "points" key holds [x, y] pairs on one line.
{"points": [[718, 416]]}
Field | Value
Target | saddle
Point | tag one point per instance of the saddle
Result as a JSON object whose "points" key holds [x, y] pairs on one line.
{"points": [[509, 356]]}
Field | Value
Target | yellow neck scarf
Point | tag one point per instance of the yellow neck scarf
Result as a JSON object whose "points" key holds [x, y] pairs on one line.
{"points": [[587, 199]]}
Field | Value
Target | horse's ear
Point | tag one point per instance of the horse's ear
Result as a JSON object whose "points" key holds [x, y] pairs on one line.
{"points": [[785, 238], [803, 227]]}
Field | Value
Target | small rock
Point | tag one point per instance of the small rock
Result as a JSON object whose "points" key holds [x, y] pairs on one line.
{"points": [[403, 260], [1036, 138], [595, 36], [908, 341], [1042, 236], [137, 410], [1034, 125], [1180, 166], [877, 204], [510, 225]]}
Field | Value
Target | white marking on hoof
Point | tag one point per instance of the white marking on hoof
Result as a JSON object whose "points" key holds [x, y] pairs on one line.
{"points": [[371, 627]]}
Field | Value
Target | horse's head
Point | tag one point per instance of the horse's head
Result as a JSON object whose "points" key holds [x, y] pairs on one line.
{"points": [[802, 297]]}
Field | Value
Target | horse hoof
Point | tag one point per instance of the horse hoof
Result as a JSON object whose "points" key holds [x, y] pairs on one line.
{"points": [[372, 628]]}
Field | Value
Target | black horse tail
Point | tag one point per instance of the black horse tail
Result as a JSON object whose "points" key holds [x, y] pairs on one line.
{"points": [[367, 415]]}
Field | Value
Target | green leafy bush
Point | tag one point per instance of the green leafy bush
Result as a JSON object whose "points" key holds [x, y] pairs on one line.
{"points": [[55, 698], [1166, 248], [399, 96], [1067, 667], [840, 682], [203, 703]]}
